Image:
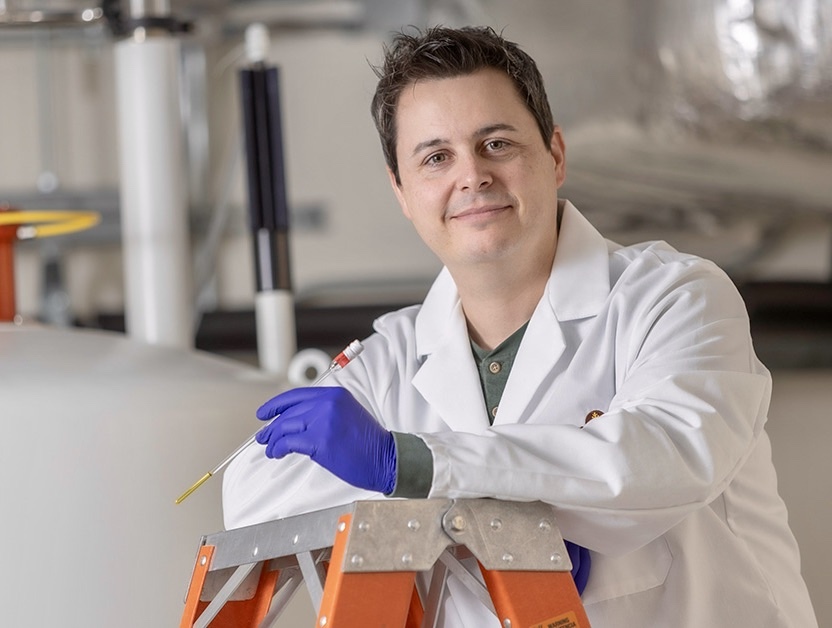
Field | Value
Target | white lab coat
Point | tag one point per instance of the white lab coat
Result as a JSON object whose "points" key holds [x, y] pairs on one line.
{"points": [[672, 489]]}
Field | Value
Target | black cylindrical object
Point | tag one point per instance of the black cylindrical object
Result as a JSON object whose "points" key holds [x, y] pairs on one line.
{"points": [[268, 205]]}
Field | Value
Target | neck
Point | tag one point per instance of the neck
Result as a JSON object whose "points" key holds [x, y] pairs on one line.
{"points": [[498, 301]]}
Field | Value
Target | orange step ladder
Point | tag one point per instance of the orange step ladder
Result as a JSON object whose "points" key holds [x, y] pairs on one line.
{"points": [[360, 562]]}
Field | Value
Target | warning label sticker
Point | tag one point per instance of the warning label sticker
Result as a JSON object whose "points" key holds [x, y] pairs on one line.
{"points": [[569, 620]]}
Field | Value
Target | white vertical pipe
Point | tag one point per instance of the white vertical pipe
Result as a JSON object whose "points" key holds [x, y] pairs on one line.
{"points": [[275, 319], [144, 8], [158, 292]]}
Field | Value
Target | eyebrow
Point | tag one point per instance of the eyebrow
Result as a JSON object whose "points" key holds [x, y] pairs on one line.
{"points": [[486, 130]]}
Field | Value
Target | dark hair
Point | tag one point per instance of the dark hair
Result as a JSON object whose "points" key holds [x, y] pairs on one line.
{"points": [[441, 52]]}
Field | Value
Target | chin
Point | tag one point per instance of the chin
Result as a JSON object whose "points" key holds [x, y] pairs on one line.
{"points": [[486, 256]]}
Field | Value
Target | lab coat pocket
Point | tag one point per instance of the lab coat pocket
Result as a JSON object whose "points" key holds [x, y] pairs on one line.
{"points": [[616, 576]]}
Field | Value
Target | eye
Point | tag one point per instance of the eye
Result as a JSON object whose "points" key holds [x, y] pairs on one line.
{"points": [[435, 159], [495, 145]]}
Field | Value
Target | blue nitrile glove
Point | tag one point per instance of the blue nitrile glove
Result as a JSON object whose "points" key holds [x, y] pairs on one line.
{"points": [[580, 565], [333, 429]]}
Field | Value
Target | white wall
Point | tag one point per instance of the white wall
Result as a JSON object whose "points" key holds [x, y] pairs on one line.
{"points": [[58, 110]]}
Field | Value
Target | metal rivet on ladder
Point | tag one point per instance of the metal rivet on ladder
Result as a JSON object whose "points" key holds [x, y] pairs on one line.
{"points": [[357, 560], [506, 623], [496, 524], [255, 551], [507, 558], [203, 561], [295, 540], [545, 525], [364, 526], [322, 621], [556, 558], [342, 526], [414, 524], [458, 523], [407, 559]]}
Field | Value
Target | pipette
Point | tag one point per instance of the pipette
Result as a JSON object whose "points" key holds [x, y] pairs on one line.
{"points": [[338, 362]]}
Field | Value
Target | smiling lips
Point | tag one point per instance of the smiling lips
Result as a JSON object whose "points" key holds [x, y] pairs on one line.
{"points": [[480, 211]]}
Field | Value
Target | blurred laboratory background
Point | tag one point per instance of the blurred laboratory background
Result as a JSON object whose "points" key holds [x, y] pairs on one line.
{"points": [[129, 357]]}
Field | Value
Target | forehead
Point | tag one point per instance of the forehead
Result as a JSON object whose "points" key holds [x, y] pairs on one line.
{"points": [[454, 105]]}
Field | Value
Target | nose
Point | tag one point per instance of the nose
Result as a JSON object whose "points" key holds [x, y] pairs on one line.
{"points": [[474, 173]]}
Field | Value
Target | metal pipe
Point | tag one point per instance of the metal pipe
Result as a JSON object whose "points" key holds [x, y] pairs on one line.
{"points": [[22, 18], [148, 8], [8, 308], [157, 262]]}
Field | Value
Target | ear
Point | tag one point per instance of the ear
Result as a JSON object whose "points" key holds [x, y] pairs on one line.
{"points": [[397, 190], [558, 150]]}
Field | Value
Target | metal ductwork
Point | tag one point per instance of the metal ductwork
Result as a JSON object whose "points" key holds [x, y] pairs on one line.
{"points": [[728, 140]]}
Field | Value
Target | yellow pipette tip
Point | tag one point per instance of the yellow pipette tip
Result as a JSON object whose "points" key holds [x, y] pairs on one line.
{"points": [[198, 483]]}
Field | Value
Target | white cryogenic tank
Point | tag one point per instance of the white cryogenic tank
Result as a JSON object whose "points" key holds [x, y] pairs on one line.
{"points": [[100, 434]]}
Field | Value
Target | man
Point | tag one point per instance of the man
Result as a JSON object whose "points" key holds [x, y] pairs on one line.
{"points": [[618, 384]]}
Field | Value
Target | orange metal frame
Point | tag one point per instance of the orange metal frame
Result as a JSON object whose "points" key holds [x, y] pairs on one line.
{"points": [[534, 599], [353, 600], [235, 613], [529, 599]]}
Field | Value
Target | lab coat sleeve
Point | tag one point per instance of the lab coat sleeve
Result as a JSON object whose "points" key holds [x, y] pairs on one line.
{"points": [[257, 488], [689, 404]]}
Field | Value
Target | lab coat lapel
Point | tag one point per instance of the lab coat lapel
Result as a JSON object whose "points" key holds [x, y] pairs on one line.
{"points": [[539, 351], [578, 287], [448, 378]]}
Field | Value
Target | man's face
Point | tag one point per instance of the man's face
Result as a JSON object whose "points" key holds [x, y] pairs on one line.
{"points": [[477, 181]]}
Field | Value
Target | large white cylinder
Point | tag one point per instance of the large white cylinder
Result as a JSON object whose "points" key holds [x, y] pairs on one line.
{"points": [[157, 266], [100, 434]]}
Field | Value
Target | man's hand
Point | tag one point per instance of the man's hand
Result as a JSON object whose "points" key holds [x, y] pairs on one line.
{"points": [[580, 565], [333, 429]]}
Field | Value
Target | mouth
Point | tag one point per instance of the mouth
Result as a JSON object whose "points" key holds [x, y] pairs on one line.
{"points": [[484, 210]]}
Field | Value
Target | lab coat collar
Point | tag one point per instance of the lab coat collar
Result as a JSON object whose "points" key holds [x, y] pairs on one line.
{"points": [[577, 288], [437, 316], [448, 379], [580, 280]]}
